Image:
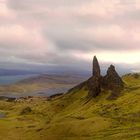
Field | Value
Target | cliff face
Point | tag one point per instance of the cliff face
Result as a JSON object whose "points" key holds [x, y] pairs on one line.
{"points": [[94, 86]]}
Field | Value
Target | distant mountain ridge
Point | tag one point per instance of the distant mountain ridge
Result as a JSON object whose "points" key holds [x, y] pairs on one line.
{"points": [[51, 78], [12, 72], [46, 84]]}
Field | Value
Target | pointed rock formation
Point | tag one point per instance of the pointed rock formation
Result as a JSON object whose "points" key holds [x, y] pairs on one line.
{"points": [[94, 83], [112, 80], [96, 67]]}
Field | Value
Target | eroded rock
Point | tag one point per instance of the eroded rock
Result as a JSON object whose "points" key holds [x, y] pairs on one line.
{"points": [[112, 80], [96, 67], [94, 83], [94, 86]]}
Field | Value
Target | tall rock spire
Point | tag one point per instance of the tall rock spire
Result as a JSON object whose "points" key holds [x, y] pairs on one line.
{"points": [[94, 83], [96, 67], [111, 81]]}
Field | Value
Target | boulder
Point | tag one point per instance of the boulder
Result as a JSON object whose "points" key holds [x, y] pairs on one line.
{"points": [[26, 111]]}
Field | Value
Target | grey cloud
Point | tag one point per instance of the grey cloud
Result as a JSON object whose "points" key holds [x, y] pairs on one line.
{"points": [[18, 4], [65, 25], [67, 40], [131, 16]]}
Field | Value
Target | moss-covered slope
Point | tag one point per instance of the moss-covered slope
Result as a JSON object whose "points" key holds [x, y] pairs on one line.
{"points": [[74, 117]]}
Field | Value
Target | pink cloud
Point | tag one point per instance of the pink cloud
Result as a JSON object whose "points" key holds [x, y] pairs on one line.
{"points": [[34, 29], [5, 12]]}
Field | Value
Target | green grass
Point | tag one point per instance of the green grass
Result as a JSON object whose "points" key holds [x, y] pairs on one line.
{"points": [[74, 117]]}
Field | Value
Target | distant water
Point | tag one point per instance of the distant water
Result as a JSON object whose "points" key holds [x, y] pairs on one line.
{"points": [[7, 80]]}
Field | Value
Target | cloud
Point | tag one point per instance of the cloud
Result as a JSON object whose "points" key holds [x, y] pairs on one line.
{"points": [[66, 32]]}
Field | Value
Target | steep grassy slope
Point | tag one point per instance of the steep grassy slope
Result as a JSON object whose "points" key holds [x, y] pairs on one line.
{"points": [[74, 117]]}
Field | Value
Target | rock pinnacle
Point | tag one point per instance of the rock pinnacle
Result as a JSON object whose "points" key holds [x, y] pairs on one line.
{"points": [[96, 67]]}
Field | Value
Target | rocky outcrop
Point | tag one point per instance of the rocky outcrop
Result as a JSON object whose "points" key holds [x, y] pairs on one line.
{"points": [[112, 80], [94, 83], [26, 111], [96, 67], [94, 86]]}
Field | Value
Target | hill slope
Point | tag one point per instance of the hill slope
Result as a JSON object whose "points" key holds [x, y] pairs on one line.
{"points": [[42, 84], [74, 117]]}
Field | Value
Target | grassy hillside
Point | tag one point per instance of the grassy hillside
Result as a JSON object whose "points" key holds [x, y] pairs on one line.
{"points": [[40, 83], [74, 117]]}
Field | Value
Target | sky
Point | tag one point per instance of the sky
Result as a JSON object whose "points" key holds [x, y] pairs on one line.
{"points": [[66, 34]]}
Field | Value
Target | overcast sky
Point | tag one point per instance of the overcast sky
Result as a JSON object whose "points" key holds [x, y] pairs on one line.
{"points": [[67, 33]]}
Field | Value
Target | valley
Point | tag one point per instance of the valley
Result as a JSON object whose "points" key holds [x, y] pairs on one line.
{"points": [[41, 85], [69, 69], [100, 108], [72, 116]]}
